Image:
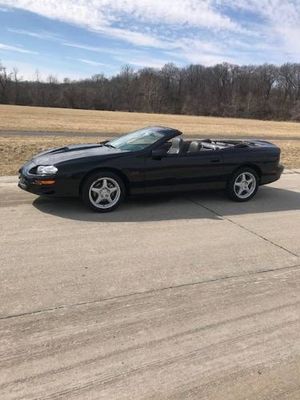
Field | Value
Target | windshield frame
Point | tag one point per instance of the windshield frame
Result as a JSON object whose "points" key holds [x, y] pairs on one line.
{"points": [[164, 134]]}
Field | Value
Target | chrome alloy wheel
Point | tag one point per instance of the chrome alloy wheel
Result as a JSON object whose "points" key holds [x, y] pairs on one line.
{"points": [[244, 185], [104, 193]]}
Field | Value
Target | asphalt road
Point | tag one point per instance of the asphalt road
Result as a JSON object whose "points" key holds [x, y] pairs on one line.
{"points": [[183, 297]]}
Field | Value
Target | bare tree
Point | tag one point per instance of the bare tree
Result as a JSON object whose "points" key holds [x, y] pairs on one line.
{"points": [[263, 91], [5, 79]]}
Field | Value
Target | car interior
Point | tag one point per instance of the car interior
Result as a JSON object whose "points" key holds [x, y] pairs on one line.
{"points": [[179, 146]]}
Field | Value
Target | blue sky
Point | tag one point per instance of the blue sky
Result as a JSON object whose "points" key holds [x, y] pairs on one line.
{"points": [[79, 38]]}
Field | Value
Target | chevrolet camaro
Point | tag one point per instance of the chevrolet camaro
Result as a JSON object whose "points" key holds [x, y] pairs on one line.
{"points": [[151, 160]]}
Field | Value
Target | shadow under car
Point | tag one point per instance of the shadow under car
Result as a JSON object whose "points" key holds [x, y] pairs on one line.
{"points": [[173, 207]]}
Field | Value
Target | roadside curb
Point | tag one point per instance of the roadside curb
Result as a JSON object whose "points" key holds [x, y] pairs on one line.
{"points": [[9, 179], [291, 171]]}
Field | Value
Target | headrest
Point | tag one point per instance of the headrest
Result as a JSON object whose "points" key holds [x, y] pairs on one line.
{"points": [[193, 147], [176, 145]]}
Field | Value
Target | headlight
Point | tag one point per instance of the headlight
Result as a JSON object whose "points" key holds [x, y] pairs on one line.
{"points": [[46, 170]]}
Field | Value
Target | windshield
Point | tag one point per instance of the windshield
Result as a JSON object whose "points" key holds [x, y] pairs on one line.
{"points": [[137, 140]]}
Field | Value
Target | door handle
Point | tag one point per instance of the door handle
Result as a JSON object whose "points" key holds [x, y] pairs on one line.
{"points": [[215, 160]]}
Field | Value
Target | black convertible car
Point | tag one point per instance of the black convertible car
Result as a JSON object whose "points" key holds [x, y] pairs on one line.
{"points": [[153, 159]]}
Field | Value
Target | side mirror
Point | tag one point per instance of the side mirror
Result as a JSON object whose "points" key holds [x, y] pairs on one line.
{"points": [[157, 154]]}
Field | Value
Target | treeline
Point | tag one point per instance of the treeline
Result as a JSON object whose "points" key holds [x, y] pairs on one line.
{"points": [[225, 90]]}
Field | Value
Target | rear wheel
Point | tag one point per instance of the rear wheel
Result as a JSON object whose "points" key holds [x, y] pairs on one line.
{"points": [[103, 191], [243, 185]]}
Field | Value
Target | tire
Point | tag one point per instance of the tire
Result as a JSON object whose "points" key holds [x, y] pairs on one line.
{"points": [[103, 191], [243, 185]]}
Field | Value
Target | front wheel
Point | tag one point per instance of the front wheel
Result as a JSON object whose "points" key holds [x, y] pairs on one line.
{"points": [[243, 185], [103, 191]]}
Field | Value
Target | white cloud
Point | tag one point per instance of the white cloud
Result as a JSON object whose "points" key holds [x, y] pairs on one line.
{"points": [[100, 13], [83, 13], [207, 59], [280, 28], [196, 51], [270, 32], [135, 38], [198, 13], [7, 47]]}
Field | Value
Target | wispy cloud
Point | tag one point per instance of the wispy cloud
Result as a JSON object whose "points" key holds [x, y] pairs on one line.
{"points": [[90, 62], [113, 51], [95, 49], [38, 35], [7, 47]]}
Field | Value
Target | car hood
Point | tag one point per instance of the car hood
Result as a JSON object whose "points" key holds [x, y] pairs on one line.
{"points": [[72, 152]]}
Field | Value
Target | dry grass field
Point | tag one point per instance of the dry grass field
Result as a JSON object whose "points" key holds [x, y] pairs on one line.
{"points": [[107, 122], [15, 150]]}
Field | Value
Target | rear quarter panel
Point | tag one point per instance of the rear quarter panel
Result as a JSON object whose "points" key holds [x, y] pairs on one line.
{"points": [[263, 158]]}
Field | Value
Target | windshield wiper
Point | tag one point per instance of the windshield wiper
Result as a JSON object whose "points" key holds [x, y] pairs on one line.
{"points": [[109, 145]]}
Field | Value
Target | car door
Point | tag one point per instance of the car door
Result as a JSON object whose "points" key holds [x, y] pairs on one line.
{"points": [[201, 170], [177, 172], [162, 173]]}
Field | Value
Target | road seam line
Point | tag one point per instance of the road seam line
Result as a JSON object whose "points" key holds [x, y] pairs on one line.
{"points": [[243, 227], [150, 291]]}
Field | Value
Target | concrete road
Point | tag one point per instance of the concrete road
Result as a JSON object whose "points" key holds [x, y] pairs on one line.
{"points": [[182, 297]]}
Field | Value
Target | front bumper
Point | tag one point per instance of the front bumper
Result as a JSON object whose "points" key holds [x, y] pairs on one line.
{"points": [[34, 185], [62, 185]]}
